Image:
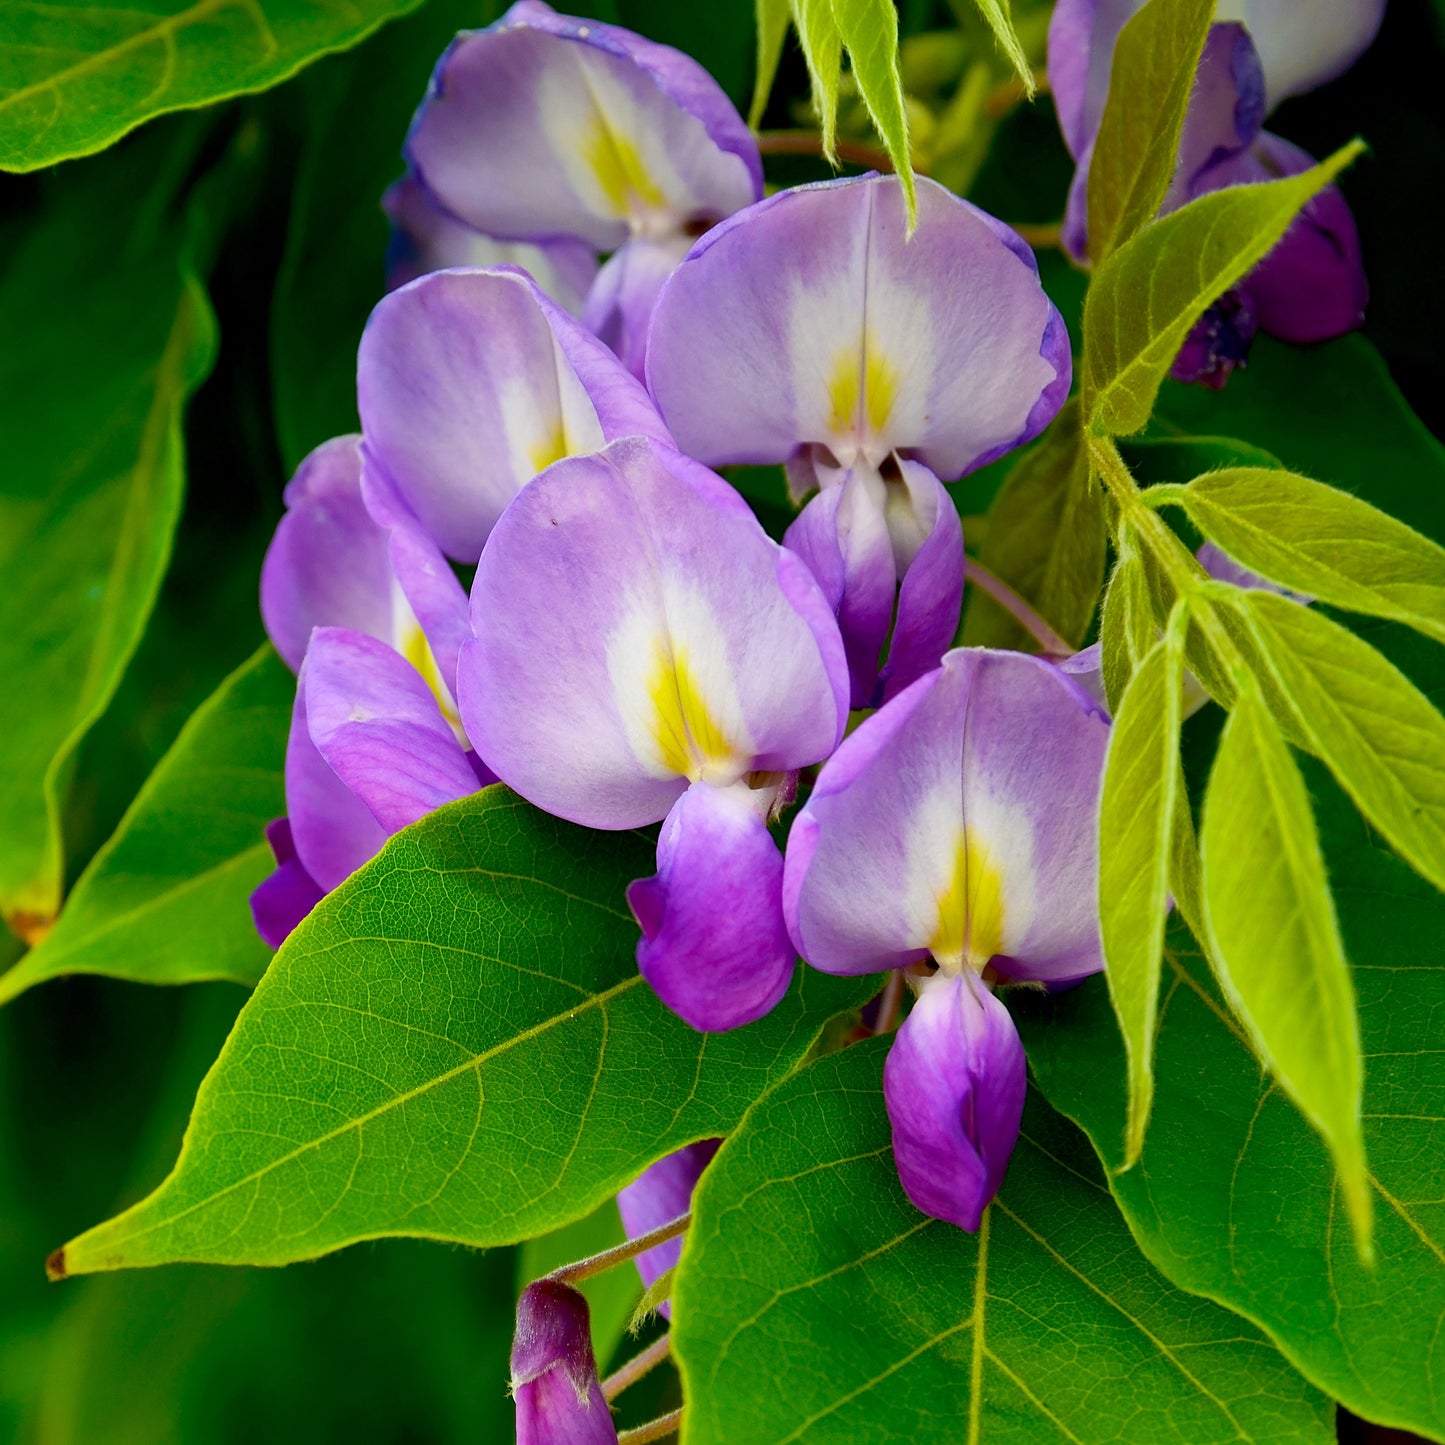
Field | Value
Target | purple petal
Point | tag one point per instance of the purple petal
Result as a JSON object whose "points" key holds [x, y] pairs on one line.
{"points": [[959, 821], [1303, 46], [288, 895], [378, 726], [468, 384], [714, 945], [1226, 108], [811, 318], [1086, 668], [930, 595], [660, 1194], [334, 831], [425, 238], [1223, 568], [554, 1372], [954, 1084], [545, 126], [620, 304], [1218, 342], [327, 564], [658, 575]]}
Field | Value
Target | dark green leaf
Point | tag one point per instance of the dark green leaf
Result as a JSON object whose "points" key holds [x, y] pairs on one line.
{"points": [[1145, 298], [452, 1046], [78, 76], [166, 899], [814, 1303], [1136, 150]]}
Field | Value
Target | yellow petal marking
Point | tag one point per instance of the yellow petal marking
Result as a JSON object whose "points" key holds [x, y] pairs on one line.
{"points": [[970, 908], [688, 737], [619, 170], [417, 651], [861, 392], [552, 448]]}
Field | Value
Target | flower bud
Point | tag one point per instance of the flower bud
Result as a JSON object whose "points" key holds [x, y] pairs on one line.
{"points": [[554, 1372]]}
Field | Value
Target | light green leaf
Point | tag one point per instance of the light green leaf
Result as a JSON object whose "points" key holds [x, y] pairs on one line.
{"points": [[1137, 825], [1145, 298], [869, 31], [998, 17], [815, 1304], [449, 1047], [1136, 151], [1324, 542], [1127, 630], [1046, 539], [611, 1295], [772, 20], [1274, 940], [166, 899], [105, 335], [823, 52], [75, 76], [1376, 731]]}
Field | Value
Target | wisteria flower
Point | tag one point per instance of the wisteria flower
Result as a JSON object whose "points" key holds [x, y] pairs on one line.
{"points": [[643, 652], [1312, 285], [547, 128], [957, 826], [811, 330], [660, 1194], [554, 1371]]}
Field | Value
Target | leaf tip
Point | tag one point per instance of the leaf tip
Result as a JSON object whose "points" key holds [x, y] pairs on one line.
{"points": [[1360, 1206], [55, 1266]]}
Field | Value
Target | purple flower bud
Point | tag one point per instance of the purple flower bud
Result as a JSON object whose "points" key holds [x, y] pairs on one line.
{"points": [[554, 1373]]}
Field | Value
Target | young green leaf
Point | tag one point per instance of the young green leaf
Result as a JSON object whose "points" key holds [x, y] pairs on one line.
{"points": [[869, 30], [1046, 539], [1377, 732], [998, 16], [79, 76], [1137, 147], [1127, 630], [823, 52], [1137, 826], [815, 1304], [1324, 542], [166, 899], [772, 21], [453, 1045], [1274, 940], [91, 397], [1145, 298]]}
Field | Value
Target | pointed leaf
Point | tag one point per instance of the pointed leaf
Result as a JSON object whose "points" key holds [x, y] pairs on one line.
{"points": [[998, 16], [1127, 630], [815, 1303], [823, 52], [869, 31], [1137, 147], [1321, 541], [78, 75], [1376, 731], [1137, 825], [167, 899], [772, 21], [1275, 942], [1145, 298], [449, 1047]]}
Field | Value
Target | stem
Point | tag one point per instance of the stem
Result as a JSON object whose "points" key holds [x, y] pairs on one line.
{"points": [[636, 1367], [887, 1019], [1015, 605], [810, 143], [621, 1253], [1047, 236], [654, 1429]]}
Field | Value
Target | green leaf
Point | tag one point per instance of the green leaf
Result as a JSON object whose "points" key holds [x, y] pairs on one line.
{"points": [[1315, 539], [772, 21], [822, 48], [869, 31], [355, 110], [1235, 1196], [1145, 298], [166, 899], [1046, 539], [1137, 825], [106, 334], [611, 1295], [1379, 734], [1274, 940], [1127, 630], [1136, 151], [78, 76], [450, 1046], [815, 1303], [997, 15]]}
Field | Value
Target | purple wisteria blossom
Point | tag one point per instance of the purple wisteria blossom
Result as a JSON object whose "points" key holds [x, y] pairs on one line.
{"points": [[957, 825], [693, 669], [811, 330], [660, 1194], [550, 129], [1312, 285], [554, 1371]]}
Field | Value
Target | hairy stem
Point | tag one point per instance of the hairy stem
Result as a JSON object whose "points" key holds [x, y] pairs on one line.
{"points": [[654, 1429], [636, 1367], [621, 1253], [810, 143], [1016, 607]]}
